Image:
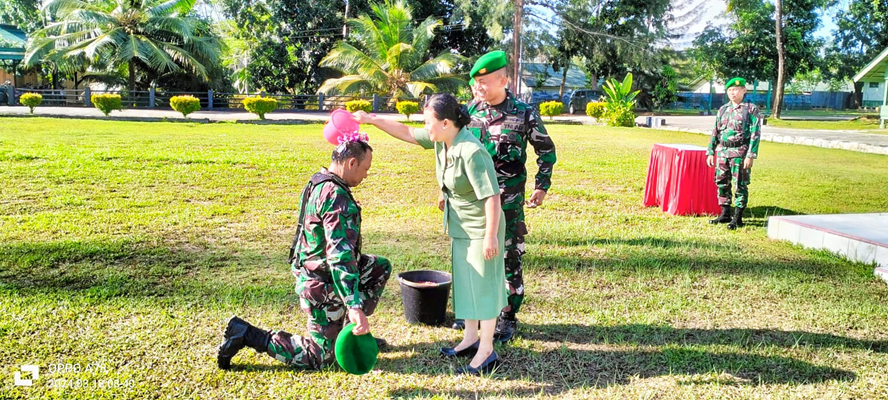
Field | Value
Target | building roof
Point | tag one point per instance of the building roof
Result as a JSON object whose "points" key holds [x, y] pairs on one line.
{"points": [[875, 70], [12, 43], [575, 77]]}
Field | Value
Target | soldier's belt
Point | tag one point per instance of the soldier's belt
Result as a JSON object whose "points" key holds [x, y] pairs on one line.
{"points": [[734, 145]]}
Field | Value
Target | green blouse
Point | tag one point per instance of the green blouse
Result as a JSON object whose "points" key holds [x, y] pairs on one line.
{"points": [[467, 177]]}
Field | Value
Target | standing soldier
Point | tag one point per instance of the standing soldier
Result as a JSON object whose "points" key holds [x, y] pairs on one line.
{"points": [[734, 147], [505, 125], [334, 280]]}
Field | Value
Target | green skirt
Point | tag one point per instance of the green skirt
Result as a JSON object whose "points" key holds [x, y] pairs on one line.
{"points": [[479, 285]]}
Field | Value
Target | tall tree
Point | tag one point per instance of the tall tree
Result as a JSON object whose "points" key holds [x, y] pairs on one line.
{"points": [[390, 56], [781, 60], [148, 36], [861, 33]]}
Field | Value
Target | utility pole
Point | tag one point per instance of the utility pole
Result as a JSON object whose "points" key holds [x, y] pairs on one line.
{"points": [[516, 39], [345, 22]]}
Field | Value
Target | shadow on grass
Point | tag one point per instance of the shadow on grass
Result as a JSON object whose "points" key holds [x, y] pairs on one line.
{"points": [[758, 216], [578, 366]]}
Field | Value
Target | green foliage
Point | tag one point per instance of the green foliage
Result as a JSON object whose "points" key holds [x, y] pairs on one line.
{"points": [[596, 109], [260, 105], [551, 108], [186, 104], [31, 100], [665, 90], [358, 105], [861, 34], [390, 56], [407, 108], [107, 102], [151, 37], [620, 100]]}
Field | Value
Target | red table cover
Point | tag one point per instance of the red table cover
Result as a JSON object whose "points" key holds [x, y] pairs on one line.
{"points": [[680, 182]]}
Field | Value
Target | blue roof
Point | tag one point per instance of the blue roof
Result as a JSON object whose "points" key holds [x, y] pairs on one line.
{"points": [[575, 77]]}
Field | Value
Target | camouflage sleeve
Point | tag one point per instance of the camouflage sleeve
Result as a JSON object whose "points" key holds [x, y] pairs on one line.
{"points": [[755, 132], [544, 149], [342, 230], [713, 140]]}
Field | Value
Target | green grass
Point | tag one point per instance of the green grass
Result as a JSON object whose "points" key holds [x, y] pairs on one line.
{"points": [[127, 246], [858, 124]]}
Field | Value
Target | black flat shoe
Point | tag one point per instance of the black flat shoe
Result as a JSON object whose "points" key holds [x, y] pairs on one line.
{"points": [[486, 367], [459, 324], [382, 344], [449, 352]]}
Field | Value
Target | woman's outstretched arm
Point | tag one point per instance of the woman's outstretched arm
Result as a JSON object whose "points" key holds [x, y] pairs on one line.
{"points": [[395, 129]]}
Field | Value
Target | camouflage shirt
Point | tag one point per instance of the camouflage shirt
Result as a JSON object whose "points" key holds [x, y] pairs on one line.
{"points": [[738, 129], [505, 130], [330, 245]]}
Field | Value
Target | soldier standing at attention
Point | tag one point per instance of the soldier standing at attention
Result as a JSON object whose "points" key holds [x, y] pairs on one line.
{"points": [[505, 125], [334, 280], [734, 147]]}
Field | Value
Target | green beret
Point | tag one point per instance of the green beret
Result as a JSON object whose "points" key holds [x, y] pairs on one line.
{"points": [[736, 82], [490, 62], [356, 354]]}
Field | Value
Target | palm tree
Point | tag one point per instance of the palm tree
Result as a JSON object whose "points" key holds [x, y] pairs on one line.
{"points": [[391, 56], [150, 35]]}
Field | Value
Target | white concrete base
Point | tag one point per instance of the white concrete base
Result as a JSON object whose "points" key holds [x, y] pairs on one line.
{"points": [[858, 237]]}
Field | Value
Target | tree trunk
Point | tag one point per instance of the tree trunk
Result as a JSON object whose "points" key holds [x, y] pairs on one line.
{"points": [[132, 76], [563, 81], [857, 101], [778, 93]]}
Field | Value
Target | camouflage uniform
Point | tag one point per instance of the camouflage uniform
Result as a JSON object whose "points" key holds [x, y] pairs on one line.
{"points": [[735, 137], [505, 130], [331, 273]]}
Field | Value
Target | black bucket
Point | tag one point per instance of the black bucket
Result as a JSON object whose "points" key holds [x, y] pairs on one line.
{"points": [[424, 294]]}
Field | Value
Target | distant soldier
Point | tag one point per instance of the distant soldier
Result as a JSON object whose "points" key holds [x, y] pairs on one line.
{"points": [[733, 148], [333, 278], [505, 126]]}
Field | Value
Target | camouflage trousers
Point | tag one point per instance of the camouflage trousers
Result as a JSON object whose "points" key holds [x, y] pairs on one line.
{"points": [[728, 169], [327, 315], [513, 208]]}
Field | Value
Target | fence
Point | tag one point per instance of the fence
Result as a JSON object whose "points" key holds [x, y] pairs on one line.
{"points": [[209, 100], [815, 100]]}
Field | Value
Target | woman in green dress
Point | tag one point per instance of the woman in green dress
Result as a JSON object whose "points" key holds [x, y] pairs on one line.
{"points": [[473, 217]]}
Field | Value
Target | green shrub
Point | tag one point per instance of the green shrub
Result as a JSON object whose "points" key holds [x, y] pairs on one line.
{"points": [[596, 109], [359, 105], [618, 115], [260, 105], [551, 108], [31, 100], [407, 108], [107, 102], [186, 104]]}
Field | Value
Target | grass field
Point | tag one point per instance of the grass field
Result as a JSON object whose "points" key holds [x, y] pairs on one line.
{"points": [[124, 247], [859, 124]]}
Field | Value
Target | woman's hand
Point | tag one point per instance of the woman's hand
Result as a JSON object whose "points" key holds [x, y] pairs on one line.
{"points": [[491, 247], [363, 118], [441, 201]]}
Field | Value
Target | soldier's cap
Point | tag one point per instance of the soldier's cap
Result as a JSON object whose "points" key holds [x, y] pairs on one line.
{"points": [[488, 63], [735, 82], [356, 354]]}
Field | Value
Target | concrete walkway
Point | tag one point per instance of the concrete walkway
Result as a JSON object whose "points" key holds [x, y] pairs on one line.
{"points": [[848, 140], [861, 141]]}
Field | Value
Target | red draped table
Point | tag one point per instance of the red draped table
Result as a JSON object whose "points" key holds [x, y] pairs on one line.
{"points": [[680, 182]]}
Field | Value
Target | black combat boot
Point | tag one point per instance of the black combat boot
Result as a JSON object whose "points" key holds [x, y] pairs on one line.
{"points": [[724, 217], [738, 218], [240, 334], [506, 327]]}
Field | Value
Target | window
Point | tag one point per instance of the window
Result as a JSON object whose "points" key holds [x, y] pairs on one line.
{"points": [[874, 85]]}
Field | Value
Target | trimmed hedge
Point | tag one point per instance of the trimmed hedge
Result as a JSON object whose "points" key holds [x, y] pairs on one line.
{"points": [[596, 109], [107, 102], [186, 104], [359, 105], [31, 100], [260, 105], [551, 108], [407, 108]]}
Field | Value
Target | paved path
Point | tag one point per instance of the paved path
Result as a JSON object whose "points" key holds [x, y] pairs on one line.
{"points": [[847, 140], [862, 141]]}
